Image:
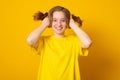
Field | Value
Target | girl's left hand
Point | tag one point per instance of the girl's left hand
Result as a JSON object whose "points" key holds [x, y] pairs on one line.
{"points": [[72, 23]]}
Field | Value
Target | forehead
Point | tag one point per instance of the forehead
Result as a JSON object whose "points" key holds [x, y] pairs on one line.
{"points": [[58, 14]]}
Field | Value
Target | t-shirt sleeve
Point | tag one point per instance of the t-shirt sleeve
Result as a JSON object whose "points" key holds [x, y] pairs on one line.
{"points": [[40, 46], [79, 49]]}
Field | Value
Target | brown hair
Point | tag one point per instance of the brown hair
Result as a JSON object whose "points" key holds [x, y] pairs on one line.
{"points": [[40, 16]]}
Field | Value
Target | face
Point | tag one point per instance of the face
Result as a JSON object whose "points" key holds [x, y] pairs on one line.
{"points": [[59, 23]]}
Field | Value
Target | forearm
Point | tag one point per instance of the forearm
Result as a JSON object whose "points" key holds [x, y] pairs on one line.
{"points": [[84, 38], [35, 35]]}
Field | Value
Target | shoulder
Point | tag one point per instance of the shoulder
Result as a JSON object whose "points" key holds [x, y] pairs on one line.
{"points": [[45, 37], [72, 37]]}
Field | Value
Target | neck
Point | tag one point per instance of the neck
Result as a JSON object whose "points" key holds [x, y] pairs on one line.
{"points": [[59, 35]]}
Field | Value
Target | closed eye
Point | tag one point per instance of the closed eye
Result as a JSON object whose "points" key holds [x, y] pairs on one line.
{"points": [[54, 20], [63, 20]]}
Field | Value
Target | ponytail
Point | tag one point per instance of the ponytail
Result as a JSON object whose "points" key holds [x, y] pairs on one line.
{"points": [[39, 16], [77, 19]]}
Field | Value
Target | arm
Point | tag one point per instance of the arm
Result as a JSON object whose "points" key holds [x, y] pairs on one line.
{"points": [[84, 38], [34, 36]]}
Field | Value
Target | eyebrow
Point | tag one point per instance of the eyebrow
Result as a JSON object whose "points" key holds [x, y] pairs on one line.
{"points": [[56, 18]]}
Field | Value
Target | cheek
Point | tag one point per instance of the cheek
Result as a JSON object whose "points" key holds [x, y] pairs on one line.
{"points": [[53, 23], [65, 24]]}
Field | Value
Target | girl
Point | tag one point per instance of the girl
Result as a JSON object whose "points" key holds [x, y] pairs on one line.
{"points": [[58, 52]]}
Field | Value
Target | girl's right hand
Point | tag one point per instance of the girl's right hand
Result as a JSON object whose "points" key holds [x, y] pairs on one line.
{"points": [[46, 22]]}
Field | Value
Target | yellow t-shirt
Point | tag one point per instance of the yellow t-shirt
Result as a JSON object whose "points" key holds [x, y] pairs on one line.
{"points": [[59, 58]]}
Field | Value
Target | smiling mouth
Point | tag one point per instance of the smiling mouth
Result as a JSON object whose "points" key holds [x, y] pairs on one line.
{"points": [[59, 28]]}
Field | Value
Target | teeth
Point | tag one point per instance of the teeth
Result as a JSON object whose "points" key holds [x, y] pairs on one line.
{"points": [[58, 28]]}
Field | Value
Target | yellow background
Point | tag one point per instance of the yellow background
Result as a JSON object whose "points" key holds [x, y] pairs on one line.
{"points": [[101, 20]]}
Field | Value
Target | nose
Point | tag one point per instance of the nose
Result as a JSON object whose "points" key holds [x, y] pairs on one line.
{"points": [[59, 23]]}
